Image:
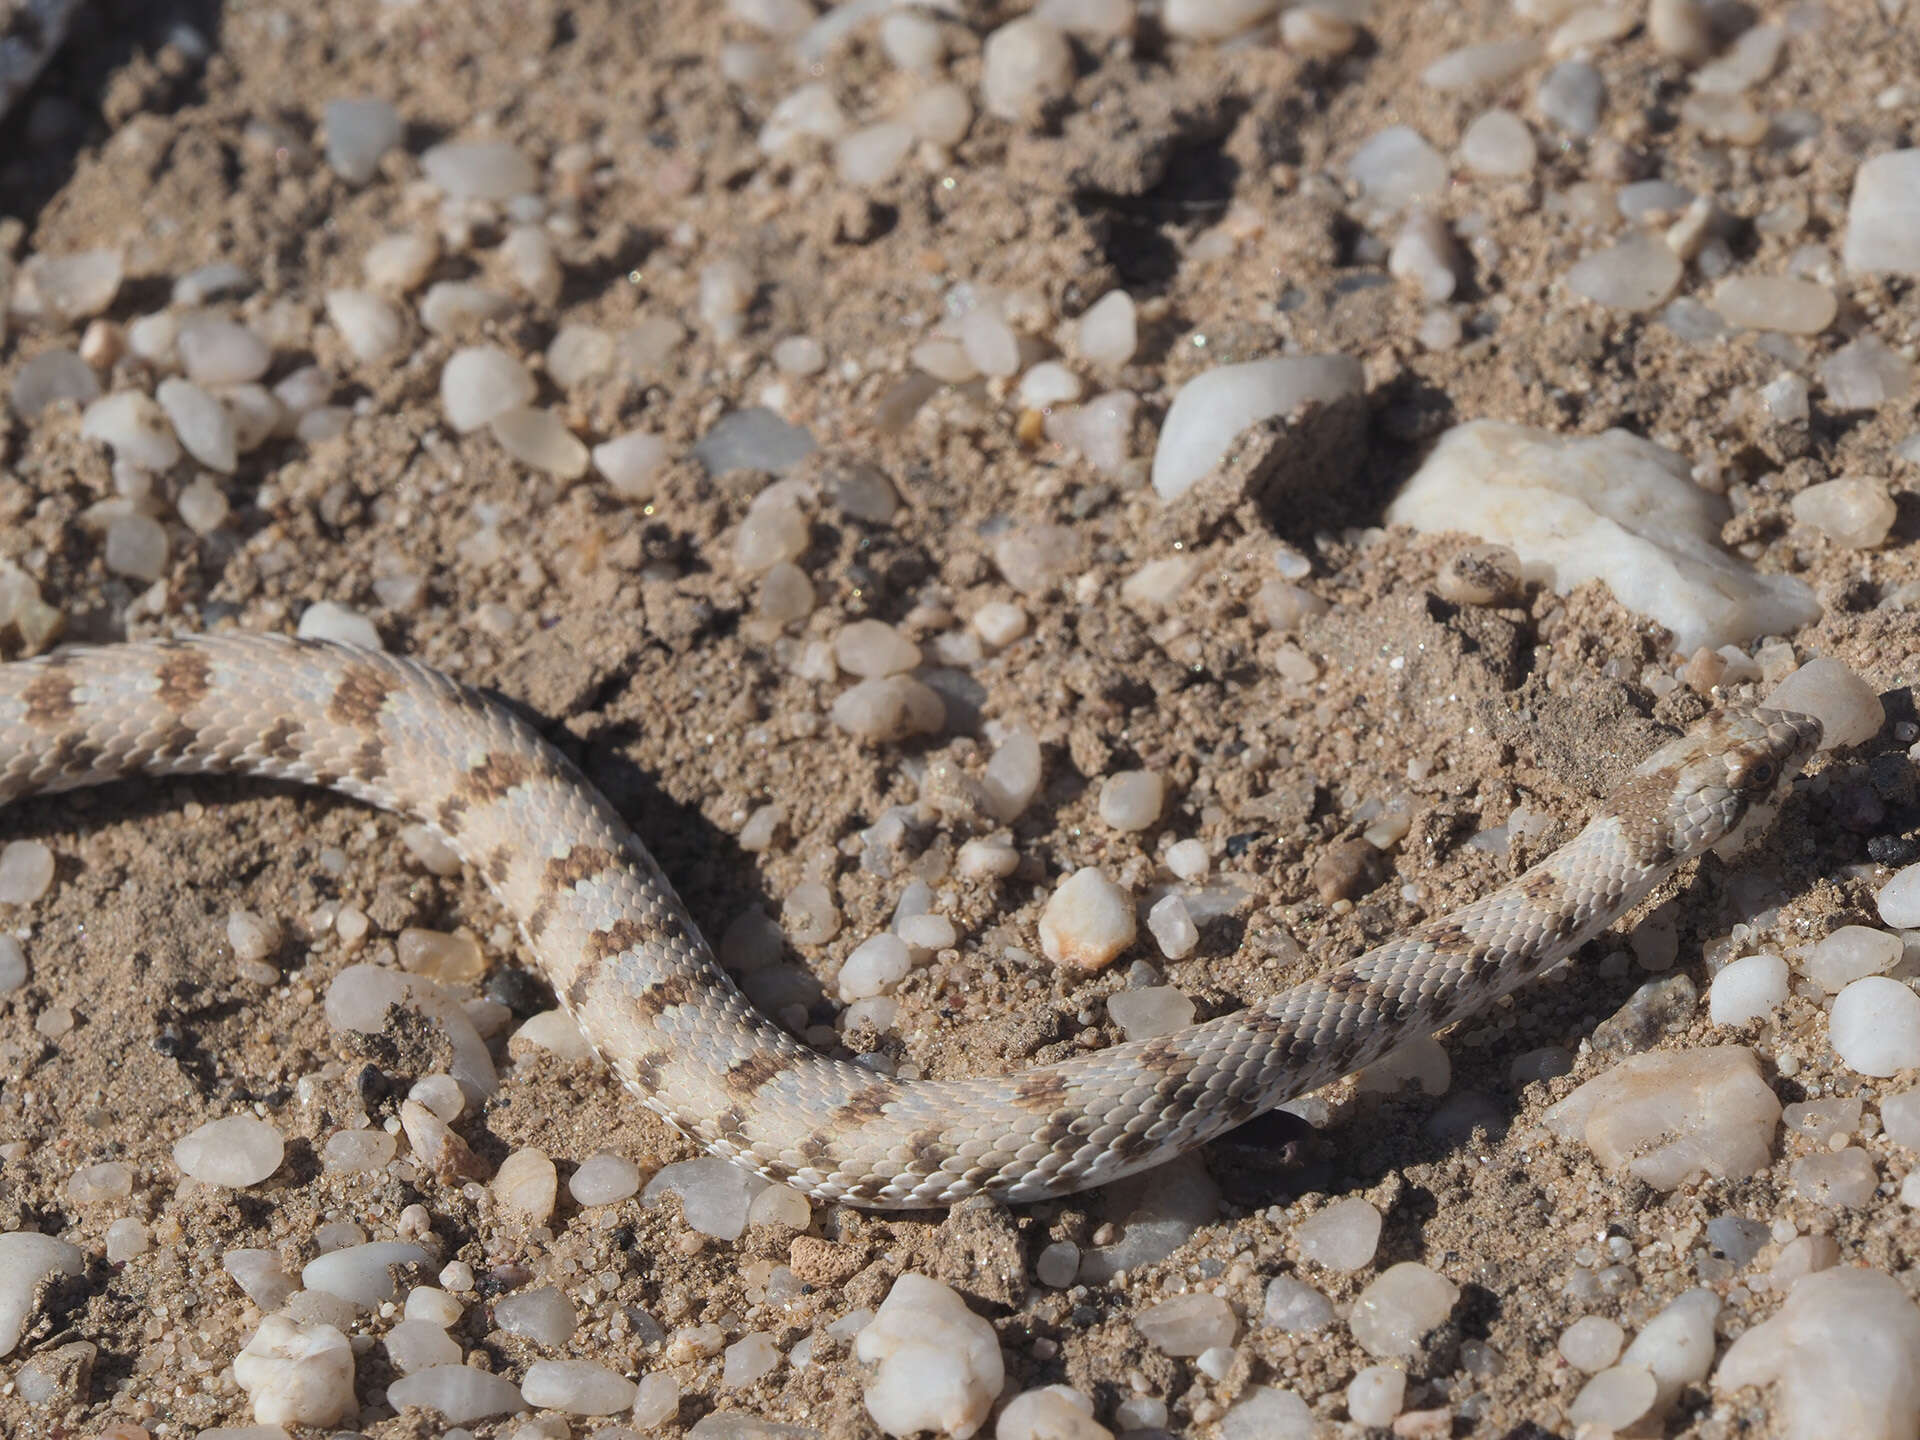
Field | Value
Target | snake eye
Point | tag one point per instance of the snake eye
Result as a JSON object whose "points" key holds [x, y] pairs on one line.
{"points": [[1761, 774]]}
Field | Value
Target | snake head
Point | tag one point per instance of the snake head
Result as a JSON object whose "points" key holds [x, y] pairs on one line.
{"points": [[1731, 768]]}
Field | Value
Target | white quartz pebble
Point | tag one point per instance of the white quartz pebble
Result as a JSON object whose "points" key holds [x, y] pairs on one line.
{"points": [[780, 1205], [460, 1393], [1012, 776], [1848, 954], [1874, 1026], [525, 1186], [480, 382], [1748, 989], [1056, 1412], [1057, 1264], [1395, 1311], [1636, 274], [1342, 1237], [221, 352], [1899, 899], [26, 1260], [296, 1374], [1614, 1399], [13, 964], [1426, 255], [871, 648], [748, 1359], [401, 263], [1854, 513], [325, 620], [1213, 19], [889, 708], [939, 1364], [554, 1031], [1668, 1116], [361, 129], [1212, 409], [540, 440], [876, 966], [1775, 302], [1025, 66], [1592, 1343], [64, 288], [543, 1315], [420, 1345], [1865, 374], [479, 169], [873, 154], [1848, 709], [134, 426], [251, 937], [370, 324], [1108, 330], [1480, 66], [1572, 96], [1131, 800], [136, 547], [1317, 34], [1171, 924], [1000, 623], [714, 1194], [1294, 1306], [1187, 1325], [632, 462], [237, 1151], [1676, 1346], [1397, 167], [1883, 217], [201, 423], [604, 1179], [657, 1400], [26, 871], [1263, 1412], [576, 1387], [1087, 921], [1154, 1010], [1375, 1394], [361, 1273]]}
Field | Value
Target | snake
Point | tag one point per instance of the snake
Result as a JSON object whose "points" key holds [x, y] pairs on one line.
{"points": [[605, 928]]}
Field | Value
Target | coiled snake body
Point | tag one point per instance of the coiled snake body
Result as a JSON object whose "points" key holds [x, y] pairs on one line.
{"points": [[625, 960]]}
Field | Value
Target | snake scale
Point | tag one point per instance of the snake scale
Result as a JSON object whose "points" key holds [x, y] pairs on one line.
{"points": [[608, 932]]}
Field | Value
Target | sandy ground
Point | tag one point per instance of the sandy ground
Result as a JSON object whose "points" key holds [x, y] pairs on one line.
{"points": [[655, 683]]}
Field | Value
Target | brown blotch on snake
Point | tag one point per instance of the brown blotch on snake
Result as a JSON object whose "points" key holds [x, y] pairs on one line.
{"points": [[185, 679], [49, 697], [359, 698]]}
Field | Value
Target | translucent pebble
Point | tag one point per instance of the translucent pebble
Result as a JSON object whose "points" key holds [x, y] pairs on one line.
{"points": [[714, 1194], [1101, 431], [1750, 59], [1748, 989], [1395, 1311], [1426, 255], [65, 288], [126, 1238], [780, 1205], [990, 345], [1025, 66], [1785, 398], [1638, 273], [260, 1275], [460, 1393], [544, 1316], [1048, 384], [414, 1345], [480, 382], [556, 1032], [1214, 19], [237, 1151], [451, 307], [799, 355], [1154, 1010], [576, 1387], [1572, 97], [134, 427], [96, 1184], [370, 325], [1666, 1117], [1615, 1398], [1883, 217], [1265, 1413], [1836, 1178], [1481, 66], [1343, 1237], [1000, 623], [479, 169], [401, 263], [13, 958], [221, 352], [1317, 34], [911, 41], [1899, 899], [1055, 1412], [1171, 925], [604, 1179], [657, 1400], [324, 620], [1853, 513], [872, 648], [1397, 167], [50, 377], [875, 967], [873, 154], [1375, 1394], [748, 1359], [939, 1364], [1677, 1345], [1865, 374], [811, 112], [1109, 331], [296, 1374], [940, 114], [26, 872], [251, 936], [531, 261], [1592, 1343], [539, 440], [1848, 709], [1874, 1026], [525, 1185], [202, 505], [1212, 409], [360, 131], [809, 914], [1132, 799], [1848, 954], [928, 933], [136, 547], [362, 1274], [358, 1151], [1187, 1324], [201, 423], [1057, 1264], [1087, 922], [1034, 558], [753, 439], [1775, 302], [890, 708], [632, 462], [979, 859]]}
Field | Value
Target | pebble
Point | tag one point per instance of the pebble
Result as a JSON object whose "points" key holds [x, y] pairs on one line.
{"points": [[1751, 58], [1317, 34], [1171, 924], [1391, 1315], [13, 964], [1786, 400], [358, 1151], [460, 1393], [480, 382], [1837, 1179], [1057, 1412], [358, 999], [1187, 1325], [1847, 708], [604, 1179], [1108, 332], [1057, 1264], [1212, 409], [1681, 28], [876, 966], [939, 1364], [1843, 1354], [401, 263], [539, 440], [1855, 514], [134, 427], [451, 307], [252, 937], [873, 154], [201, 423], [1592, 1343], [657, 1401], [1747, 989], [479, 169], [1865, 374], [753, 439], [325, 620], [1676, 1347], [714, 1194], [65, 288], [811, 112], [1848, 954], [1342, 1237], [1874, 1026], [940, 114], [202, 505], [872, 648], [1614, 1399], [750, 1358], [525, 1186], [1426, 255], [1397, 168], [1636, 274], [1899, 899], [631, 463], [576, 1387], [420, 1344], [1650, 533], [237, 1151], [26, 1260], [221, 352], [1375, 1395], [1087, 922], [1034, 558], [1883, 217], [360, 131], [543, 1315], [296, 1374], [1295, 1307], [1668, 1116], [26, 872], [1481, 66], [361, 1273], [136, 546], [50, 377], [1132, 800], [1572, 97], [888, 709], [1775, 302], [1012, 777], [1264, 1413], [369, 324], [1214, 19]]}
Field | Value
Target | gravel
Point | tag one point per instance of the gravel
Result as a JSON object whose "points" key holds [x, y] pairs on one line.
{"points": [[1211, 410], [938, 1365]]}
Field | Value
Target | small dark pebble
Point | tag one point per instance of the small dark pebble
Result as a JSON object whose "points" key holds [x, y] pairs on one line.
{"points": [[1891, 850]]}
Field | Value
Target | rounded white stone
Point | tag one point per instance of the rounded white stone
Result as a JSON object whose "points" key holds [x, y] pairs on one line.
{"points": [[576, 1387], [876, 966], [939, 1364], [539, 440], [1109, 330], [479, 169], [134, 426], [26, 871], [1025, 66], [201, 424], [1342, 1237], [1883, 217], [237, 1151], [1395, 1311], [1187, 1325], [1087, 922], [1637, 274], [480, 382], [604, 1179], [1874, 1026], [1212, 409], [1592, 1343], [371, 325], [296, 1374], [1848, 709], [1748, 989]]}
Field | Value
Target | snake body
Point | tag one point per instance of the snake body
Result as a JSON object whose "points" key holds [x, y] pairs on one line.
{"points": [[621, 953]]}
